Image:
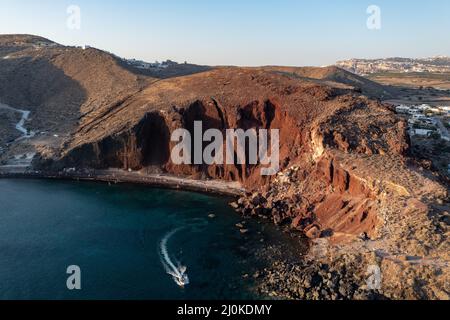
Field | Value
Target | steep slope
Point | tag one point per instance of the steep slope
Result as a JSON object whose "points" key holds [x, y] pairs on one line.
{"points": [[17, 42], [62, 87], [313, 120], [234, 98]]}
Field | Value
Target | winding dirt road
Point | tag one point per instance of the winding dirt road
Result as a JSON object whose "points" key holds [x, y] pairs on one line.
{"points": [[20, 125]]}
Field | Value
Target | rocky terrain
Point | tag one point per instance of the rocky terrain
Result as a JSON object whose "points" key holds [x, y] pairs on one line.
{"points": [[348, 180]]}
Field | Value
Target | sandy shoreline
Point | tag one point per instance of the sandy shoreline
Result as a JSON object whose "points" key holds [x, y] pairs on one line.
{"points": [[119, 176]]}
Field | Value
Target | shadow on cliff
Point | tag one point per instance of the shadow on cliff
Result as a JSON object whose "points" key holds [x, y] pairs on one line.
{"points": [[45, 90], [153, 139], [146, 144]]}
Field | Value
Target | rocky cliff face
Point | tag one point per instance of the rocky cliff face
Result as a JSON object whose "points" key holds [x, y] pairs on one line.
{"points": [[314, 120], [147, 144], [310, 118]]}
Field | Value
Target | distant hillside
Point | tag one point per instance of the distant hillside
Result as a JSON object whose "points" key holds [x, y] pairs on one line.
{"points": [[16, 42], [338, 77], [163, 70], [23, 40], [396, 65], [60, 85], [65, 86]]}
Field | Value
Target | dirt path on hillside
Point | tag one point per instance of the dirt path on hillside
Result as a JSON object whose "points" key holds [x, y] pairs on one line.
{"points": [[20, 125]]}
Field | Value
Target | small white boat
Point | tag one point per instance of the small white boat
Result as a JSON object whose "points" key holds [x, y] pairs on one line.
{"points": [[178, 273]]}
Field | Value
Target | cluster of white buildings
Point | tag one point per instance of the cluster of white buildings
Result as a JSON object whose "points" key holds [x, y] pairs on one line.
{"points": [[402, 65], [138, 63], [422, 109], [425, 120], [149, 65]]}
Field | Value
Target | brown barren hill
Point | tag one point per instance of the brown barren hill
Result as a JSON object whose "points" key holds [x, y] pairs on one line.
{"points": [[337, 77], [346, 175]]}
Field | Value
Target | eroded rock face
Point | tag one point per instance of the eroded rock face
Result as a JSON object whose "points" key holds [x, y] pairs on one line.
{"points": [[148, 144], [350, 206], [323, 200], [312, 119]]}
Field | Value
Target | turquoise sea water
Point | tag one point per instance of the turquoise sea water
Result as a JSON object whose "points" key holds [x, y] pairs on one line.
{"points": [[114, 233]]}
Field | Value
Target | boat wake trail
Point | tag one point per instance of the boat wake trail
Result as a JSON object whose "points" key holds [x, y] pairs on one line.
{"points": [[176, 270]]}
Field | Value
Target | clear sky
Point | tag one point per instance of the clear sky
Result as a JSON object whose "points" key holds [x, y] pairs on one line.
{"points": [[240, 32]]}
